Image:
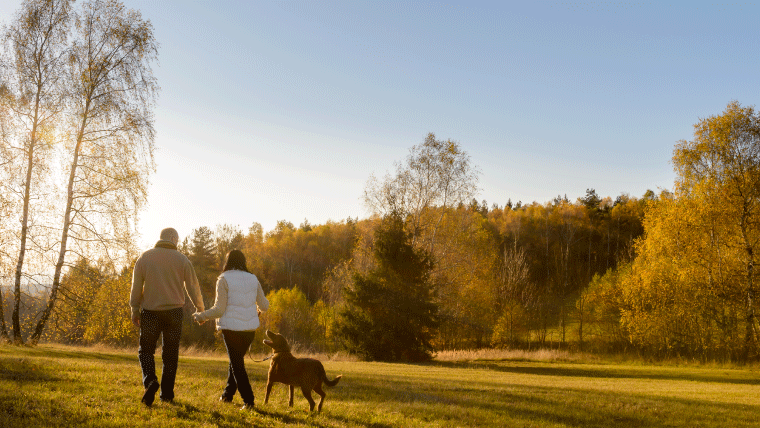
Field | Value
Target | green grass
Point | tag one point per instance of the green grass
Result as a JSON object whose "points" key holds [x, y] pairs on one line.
{"points": [[51, 385]]}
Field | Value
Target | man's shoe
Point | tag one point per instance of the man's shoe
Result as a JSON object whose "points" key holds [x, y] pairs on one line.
{"points": [[247, 406], [150, 393], [167, 400]]}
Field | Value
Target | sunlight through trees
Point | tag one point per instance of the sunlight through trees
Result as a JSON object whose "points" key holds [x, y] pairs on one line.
{"points": [[78, 94]]}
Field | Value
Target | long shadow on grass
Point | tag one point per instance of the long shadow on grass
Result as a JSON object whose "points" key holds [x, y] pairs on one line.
{"points": [[285, 415], [191, 413], [313, 418], [19, 410], [593, 372], [22, 370], [571, 407], [85, 354]]}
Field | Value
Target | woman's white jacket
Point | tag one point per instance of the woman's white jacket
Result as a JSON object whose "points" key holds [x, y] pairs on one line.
{"points": [[238, 294]]}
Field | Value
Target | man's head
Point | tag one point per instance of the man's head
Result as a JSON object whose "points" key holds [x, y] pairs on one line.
{"points": [[171, 235]]}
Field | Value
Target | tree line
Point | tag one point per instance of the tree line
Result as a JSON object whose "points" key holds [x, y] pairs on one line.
{"points": [[507, 278]]}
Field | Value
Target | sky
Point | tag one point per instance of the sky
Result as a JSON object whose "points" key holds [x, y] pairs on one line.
{"points": [[282, 110]]}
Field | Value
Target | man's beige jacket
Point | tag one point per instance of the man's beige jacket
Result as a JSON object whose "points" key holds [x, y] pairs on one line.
{"points": [[160, 278]]}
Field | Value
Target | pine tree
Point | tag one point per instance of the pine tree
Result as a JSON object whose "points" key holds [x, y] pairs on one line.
{"points": [[390, 314], [201, 252], [202, 255]]}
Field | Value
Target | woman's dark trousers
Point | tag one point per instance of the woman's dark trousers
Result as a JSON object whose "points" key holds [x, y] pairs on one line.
{"points": [[152, 324], [237, 343]]}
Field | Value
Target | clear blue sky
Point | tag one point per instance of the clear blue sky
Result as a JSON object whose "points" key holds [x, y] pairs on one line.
{"points": [[282, 110]]}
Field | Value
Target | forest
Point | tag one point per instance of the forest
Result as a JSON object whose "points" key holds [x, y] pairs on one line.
{"points": [[666, 273], [504, 276]]}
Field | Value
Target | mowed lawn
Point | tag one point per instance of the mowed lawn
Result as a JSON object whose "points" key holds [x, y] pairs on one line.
{"points": [[51, 385]]}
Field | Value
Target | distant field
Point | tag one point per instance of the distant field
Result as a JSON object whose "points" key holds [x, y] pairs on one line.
{"points": [[57, 386]]}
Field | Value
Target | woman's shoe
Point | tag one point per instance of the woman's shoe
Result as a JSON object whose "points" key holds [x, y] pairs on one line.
{"points": [[247, 406], [225, 399]]}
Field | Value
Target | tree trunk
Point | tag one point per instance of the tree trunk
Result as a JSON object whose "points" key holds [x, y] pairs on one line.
{"points": [[749, 337], [565, 286], [580, 333], [4, 329], [17, 339], [609, 223]]}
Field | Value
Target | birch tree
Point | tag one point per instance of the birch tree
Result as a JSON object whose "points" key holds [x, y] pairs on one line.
{"points": [[7, 243], [110, 131], [436, 174], [722, 165], [33, 96]]}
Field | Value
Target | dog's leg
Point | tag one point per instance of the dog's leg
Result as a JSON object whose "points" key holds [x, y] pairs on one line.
{"points": [[290, 402], [269, 389], [307, 393], [318, 390]]}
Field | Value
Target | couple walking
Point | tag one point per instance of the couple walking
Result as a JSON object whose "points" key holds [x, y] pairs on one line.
{"points": [[159, 281]]}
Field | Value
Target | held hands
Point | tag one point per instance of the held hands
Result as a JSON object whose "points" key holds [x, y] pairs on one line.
{"points": [[197, 318]]}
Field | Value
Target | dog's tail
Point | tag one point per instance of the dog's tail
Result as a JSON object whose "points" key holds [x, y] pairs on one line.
{"points": [[329, 382], [332, 382]]}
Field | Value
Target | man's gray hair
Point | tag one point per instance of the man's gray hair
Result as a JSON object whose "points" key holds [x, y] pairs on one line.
{"points": [[170, 234]]}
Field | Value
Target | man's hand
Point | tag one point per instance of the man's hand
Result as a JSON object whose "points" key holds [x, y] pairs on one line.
{"points": [[136, 320]]}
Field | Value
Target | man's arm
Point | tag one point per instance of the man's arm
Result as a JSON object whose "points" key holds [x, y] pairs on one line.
{"points": [[192, 287], [136, 295]]}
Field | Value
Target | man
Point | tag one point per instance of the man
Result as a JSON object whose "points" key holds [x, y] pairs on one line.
{"points": [[159, 280]]}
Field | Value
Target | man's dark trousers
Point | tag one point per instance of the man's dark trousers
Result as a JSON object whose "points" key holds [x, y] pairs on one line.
{"points": [[153, 324]]}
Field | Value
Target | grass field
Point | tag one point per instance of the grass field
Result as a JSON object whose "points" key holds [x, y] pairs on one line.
{"points": [[57, 386]]}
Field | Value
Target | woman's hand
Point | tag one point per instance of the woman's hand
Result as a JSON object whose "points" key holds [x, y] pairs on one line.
{"points": [[197, 318]]}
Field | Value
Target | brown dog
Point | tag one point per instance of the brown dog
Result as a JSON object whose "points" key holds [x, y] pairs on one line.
{"points": [[306, 373]]}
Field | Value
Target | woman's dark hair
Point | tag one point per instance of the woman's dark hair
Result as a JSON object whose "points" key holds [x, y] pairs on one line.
{"points": [[235, 261]]}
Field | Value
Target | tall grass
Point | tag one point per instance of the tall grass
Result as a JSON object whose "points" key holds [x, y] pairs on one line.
{"points": [[548, 355]]}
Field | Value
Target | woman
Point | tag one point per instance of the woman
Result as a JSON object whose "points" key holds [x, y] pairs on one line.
{"points": [[239, 300]]}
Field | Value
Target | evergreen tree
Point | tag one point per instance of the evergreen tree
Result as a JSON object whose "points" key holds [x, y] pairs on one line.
{"points": [[201, 252], [389, 313]]}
